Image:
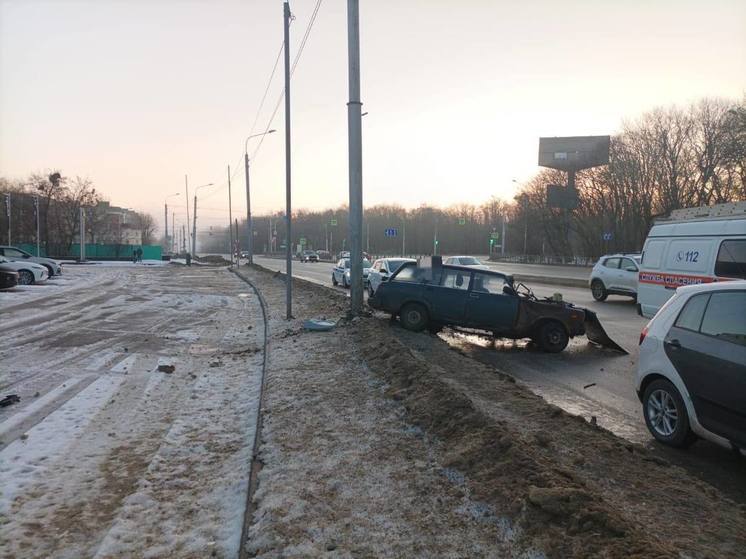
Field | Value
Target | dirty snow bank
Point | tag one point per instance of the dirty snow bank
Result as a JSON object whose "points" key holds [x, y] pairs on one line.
{"points": [[343, 471]]}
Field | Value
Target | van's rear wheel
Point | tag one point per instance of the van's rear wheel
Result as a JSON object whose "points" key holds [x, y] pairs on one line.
{"points": [[598, 290], [552, 337], [413, 317]]}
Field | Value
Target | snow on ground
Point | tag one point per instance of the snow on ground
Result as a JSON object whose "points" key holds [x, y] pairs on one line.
{"points": [[344, 473], [108, 456]]}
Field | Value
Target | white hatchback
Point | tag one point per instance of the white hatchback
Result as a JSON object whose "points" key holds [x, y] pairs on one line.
{"points": [[691, 377], [614, 274]]}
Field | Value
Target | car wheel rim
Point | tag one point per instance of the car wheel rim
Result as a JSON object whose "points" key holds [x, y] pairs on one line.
{"points": [[663, 413], [413, 317], [554, 337], [597, 292], [24, 278]]}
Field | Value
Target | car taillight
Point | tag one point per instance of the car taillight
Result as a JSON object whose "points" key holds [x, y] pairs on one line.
{"points": [[643, 334]]}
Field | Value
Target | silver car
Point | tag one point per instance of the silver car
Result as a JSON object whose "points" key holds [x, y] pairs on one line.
{"points": [[382, 270], [54, 268], [28, 272]]}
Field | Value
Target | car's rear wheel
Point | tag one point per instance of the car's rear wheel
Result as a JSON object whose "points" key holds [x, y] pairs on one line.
{"points": [[552, 337], [25, 277], [665, 414], [598, 290], [413, 317], [334, 280]]}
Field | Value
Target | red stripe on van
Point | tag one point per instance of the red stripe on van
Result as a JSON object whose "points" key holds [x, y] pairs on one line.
{"points": [[672, 280]]}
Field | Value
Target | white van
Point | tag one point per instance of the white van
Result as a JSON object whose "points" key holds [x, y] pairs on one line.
{"points": [[695, 245]]}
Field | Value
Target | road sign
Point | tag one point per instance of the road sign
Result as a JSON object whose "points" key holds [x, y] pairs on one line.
{"points": [[391, 232], [461, 221], [494, 235], [607, 236], [333, 223]]}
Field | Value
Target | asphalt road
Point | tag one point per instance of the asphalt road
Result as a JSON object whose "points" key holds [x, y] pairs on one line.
{"points": [[583, 379]]}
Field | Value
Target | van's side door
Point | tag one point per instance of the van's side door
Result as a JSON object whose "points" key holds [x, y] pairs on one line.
{"points": [[707, 346]]}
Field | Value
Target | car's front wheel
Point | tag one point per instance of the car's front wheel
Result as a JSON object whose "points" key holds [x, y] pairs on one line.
{"points": [[413, 317], [598, 290], [50, 271], [25, 277], [665, 414], [552, 337]]}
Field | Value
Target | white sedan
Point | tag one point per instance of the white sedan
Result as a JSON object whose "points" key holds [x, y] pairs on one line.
{"points": [[28, 272], [469, 261], [341, 272], [382, 270]]}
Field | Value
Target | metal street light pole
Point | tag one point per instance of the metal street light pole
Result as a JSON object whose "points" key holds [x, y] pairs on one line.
{"points": [[165, 218], [249, 220], [194, 222], [355, 146], [230, 215], [288, 181]]}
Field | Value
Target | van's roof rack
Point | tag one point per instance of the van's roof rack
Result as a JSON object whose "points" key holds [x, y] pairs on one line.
{"points": [[716, 211]]}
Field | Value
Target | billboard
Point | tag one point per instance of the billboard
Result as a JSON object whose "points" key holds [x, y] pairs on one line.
{"points": [[573, 153]]}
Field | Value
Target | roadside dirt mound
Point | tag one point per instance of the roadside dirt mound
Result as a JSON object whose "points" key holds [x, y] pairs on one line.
{"points": [[522, 460], [212, 259]]}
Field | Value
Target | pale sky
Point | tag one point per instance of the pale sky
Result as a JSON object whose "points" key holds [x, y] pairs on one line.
{"points": [[136, 93]]}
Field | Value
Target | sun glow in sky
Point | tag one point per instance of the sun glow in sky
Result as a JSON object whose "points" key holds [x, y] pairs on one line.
{"points": [[135, 94]]}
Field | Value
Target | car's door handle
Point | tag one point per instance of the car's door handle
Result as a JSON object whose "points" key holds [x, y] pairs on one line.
{"points": [[675, 344], [474, 295]]}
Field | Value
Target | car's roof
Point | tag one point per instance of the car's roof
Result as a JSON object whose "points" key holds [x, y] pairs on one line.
{"points": [[714, 286], [621, 254]]}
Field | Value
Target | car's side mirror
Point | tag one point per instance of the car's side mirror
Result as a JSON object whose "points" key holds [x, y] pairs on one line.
{"points": [[507, 290], [631, 269]]}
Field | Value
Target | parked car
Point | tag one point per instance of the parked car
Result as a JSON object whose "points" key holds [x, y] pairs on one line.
{"points": [[382, 270], [341, 272], [54, 267], [309, 256], [691, 376], [469, 261], [28, 272], [8, 279], [615, 274], [691, 250], [483, 300]]}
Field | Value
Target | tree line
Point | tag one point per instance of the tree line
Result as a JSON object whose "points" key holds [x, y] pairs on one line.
{"points": [[666, 159], [59, 201]]}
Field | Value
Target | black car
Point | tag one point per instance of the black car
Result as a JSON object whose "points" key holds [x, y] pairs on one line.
{"points": [[8, 279], [482, 300]]}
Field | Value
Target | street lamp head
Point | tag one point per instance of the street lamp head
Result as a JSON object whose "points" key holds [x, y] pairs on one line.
{"points": [[270, 131]]}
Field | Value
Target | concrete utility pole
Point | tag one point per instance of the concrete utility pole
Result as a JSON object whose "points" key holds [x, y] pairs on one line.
{"points": [[355, 144], [186, 188], [194, 219], [230, 215], [249, 219], [173, 232], [82, 234], [7, 211], [288, 205], [36, 212]]}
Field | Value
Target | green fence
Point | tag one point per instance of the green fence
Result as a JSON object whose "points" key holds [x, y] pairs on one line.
{"points": [[104, 252]]}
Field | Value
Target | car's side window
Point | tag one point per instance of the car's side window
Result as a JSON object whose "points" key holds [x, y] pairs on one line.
{"points": [[731, 260], [408, 273], [690, 316], [628, 263], [725, 317], [487, 283], [13, 252], [611, 263], [455, 279]]}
